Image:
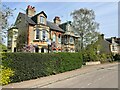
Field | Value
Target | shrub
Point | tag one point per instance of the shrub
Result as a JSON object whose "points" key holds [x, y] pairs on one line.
{"points": [[5, 75], [28, 66], [117, 57]]}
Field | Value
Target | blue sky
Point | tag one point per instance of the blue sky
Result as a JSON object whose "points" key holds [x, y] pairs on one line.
{"points": [[106, 12]]}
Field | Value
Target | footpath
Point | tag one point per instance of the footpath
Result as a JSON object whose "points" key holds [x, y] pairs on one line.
{"points": [[43, 81]]}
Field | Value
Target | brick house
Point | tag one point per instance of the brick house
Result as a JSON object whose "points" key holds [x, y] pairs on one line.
{"points": [[69, 38], [34, 29]]}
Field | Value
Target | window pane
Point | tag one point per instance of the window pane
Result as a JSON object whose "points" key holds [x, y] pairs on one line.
{"points": [[54, 38], [71, 40], [59, 38], [44, 34], [37, 34], [42, 19]]}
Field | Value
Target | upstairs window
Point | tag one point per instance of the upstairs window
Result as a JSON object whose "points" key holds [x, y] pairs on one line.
{"points": [[37, 34], [71, 40], [42, 20]]}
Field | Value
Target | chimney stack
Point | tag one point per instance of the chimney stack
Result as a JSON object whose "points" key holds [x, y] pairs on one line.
{"points": [[101, 36], [30, 11], [57, 20]]}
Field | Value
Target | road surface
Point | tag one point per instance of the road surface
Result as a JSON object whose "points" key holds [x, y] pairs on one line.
{"points": [[100, 78]]}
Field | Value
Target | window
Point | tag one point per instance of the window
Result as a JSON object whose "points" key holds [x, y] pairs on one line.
{"points": [[42, 20], [66, 40], [44, 35], [37, 34], [71, 40], [54, 38], [59, 38], [113, 48]]}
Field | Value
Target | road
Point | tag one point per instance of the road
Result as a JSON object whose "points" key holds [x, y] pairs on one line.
{"points": [[105, 77]]}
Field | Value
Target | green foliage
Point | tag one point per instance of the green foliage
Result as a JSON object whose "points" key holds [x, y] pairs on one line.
{"points": [[91, 54], [5, 75], [84, 22], [5, 14], [28, 66], [2, 47], [117, 57]]}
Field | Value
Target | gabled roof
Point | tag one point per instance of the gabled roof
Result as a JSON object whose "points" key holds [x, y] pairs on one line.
{"points": [[63, 25], [34, 18], [53, 26], [42, 12], [117, 40], [72, 31], [28, 19]]}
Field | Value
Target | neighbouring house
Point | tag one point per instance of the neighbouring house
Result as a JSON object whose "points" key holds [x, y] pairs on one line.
{"points": [[102, 45], [56, 34], [114, 45], [69, 38], [12, 38]]}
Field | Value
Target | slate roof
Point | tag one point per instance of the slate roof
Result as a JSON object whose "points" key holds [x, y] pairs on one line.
{"points": [[53, 26], [28, 19], [33, 21], [117, 40], [73, 32], [34, 18]]}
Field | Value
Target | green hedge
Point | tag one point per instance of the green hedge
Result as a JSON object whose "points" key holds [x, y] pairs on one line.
{"points": [[28, 66]]}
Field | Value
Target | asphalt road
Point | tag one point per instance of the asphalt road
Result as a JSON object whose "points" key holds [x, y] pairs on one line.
{"points": [[105, 77]]}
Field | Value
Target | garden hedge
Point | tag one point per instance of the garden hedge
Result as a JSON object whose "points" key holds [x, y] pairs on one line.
{"points": [[28, 66]]}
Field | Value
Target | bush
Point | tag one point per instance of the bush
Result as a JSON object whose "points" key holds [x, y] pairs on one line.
{"points": [[5, 75], [28, 66], [117, 57]]}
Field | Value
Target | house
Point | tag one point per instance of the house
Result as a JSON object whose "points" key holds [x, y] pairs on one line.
{"points": [[69, 38], [114, 45], [102, 46], [56, 34], [34, 30], [12, 38]]}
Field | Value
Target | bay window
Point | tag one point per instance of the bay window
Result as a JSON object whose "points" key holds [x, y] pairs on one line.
{"points": [[71, 40], [37, 34], [54, 38], [59, 38]]}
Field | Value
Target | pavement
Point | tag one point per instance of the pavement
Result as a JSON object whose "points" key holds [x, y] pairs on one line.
{"points": [[55, 81]]}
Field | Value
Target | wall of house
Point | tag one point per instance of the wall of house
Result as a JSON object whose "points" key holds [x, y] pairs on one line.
{"points": [[22, 26], [67, 45], [58, 46], [12, 38], [38, 18], [32, 34]]}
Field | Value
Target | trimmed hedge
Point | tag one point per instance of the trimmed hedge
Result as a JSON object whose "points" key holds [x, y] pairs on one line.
{"points": [[28, 66]]}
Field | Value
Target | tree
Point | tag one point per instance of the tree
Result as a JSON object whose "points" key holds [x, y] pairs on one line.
{"points": [[84, 23], [5, 14]]}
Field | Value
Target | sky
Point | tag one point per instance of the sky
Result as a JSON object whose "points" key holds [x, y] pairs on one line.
{"points": [[106, 12]]}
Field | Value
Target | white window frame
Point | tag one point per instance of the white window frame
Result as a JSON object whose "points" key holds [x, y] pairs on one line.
{"points": [[42, 19], [36, 33]]}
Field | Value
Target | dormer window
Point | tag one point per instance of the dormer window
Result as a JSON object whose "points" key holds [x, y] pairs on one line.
{"points": [[42, 19]]}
